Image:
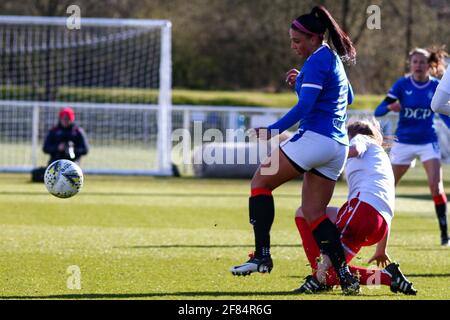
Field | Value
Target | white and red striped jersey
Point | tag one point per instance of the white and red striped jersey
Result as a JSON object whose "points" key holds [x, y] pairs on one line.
{"points": [[370, 174]]}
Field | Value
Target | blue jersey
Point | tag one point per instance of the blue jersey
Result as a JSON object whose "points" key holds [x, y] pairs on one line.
{"points": [[324, 93], [415, 125]]}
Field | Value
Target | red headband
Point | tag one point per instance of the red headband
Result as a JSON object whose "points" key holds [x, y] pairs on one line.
{"points": [[299, 26]]}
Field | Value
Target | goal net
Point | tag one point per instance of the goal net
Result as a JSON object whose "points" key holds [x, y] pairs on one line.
{"points": [[114, 73]]}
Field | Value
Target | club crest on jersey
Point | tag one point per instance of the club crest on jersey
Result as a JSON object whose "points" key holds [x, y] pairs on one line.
{"points": [[418, 113]]}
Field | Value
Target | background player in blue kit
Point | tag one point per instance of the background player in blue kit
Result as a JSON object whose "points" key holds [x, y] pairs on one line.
{"points": [[416, 135], [319, 149]]}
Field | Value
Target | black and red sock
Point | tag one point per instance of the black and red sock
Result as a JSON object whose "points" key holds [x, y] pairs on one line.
{"points": [[440, 205], [262, 214]]}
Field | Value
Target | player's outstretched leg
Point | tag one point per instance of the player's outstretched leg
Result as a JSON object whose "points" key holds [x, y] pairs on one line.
{"points": [[399, 283], [261, 214]]}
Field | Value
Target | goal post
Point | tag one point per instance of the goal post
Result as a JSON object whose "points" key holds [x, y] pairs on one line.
{"points": [[115, 73]]}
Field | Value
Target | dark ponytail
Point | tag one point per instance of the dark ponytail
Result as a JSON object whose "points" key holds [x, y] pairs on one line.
{"points": [[320, 20], [341, 41], [437, 61]]}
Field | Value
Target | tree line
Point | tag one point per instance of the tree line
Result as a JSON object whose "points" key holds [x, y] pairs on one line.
{"points": [[244, 44]]}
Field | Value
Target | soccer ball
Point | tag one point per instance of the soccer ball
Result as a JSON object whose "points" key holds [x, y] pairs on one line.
{"points": [[63, 178]]}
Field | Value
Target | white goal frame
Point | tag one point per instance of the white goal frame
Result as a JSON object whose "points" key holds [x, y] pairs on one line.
{"points": [[164, 104]]}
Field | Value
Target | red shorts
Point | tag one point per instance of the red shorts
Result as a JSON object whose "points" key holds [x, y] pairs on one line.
{"points": [[360, 225]]}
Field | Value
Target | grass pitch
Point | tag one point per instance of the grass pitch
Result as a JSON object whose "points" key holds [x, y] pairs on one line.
{"points": [[155, 238]]}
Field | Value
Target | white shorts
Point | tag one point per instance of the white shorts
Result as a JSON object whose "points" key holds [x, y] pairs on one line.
{"points": [[406, 154], [310, 151]]}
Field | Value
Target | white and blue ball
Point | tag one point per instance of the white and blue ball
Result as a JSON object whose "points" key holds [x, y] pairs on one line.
{"points": [[63, 178]]}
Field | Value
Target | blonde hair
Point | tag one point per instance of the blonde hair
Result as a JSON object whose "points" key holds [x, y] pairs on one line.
{"points": [[436, 58], [365, 126]]}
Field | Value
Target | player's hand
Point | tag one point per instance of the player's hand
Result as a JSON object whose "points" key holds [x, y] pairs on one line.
{"points": [[381, 258], [260, 133], [291, 76], [396, 107], [61, 147]]}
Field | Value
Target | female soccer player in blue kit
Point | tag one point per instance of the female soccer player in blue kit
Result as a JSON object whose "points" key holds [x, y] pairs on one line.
{"points": [[319, 149], [416, 135]]}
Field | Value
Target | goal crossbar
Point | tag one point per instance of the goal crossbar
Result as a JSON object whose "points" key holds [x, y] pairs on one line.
{"points": [[104, 22]]}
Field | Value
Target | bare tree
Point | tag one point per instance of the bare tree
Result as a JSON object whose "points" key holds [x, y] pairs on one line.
{"points": [[237, 44]]}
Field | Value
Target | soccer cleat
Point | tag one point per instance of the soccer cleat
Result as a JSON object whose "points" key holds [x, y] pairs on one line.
{"points": [[445, 242], [262, 265], [311, 286], [350, 285], [399, 283]]}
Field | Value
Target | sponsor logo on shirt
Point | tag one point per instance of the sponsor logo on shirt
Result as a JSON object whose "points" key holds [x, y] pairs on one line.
{"points": [[408, 92], [419, 113]]}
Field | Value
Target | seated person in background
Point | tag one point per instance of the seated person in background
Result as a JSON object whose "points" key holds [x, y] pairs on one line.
{"points": [[66, 140]]}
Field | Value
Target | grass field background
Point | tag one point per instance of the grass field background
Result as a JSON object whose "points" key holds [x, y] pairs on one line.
{"points": [[169, 238], [259, 99], [256, 98]]}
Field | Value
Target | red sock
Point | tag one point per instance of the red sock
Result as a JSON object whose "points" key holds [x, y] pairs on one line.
{"points": [[261, 192], [309, 243], [371, 276]]}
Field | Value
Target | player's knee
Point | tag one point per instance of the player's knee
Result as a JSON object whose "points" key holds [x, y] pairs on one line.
{"points": [[312, 213], [306, 211]]}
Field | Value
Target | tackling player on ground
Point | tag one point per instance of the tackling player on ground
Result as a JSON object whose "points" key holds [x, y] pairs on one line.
{"points": [[364, 220], [416, 135]]}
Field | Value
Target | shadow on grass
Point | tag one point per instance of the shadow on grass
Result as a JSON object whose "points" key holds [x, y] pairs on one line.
{"points": [[178, 294], [200, 246], [425, 196], [154, 194], [411, 182], [152, 295], [422, 196], [429, 275]]}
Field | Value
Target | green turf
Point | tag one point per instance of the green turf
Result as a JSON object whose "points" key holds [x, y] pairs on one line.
{"points": [[159, 238], [258, 98]]}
